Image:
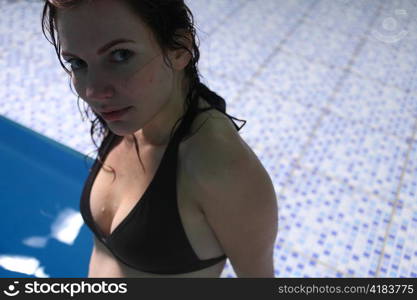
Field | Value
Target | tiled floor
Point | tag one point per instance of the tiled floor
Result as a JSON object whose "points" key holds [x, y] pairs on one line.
{"points": [[329, 90]]}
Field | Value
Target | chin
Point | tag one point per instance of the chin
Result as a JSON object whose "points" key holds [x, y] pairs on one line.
{"points": [[122, 130], [118, 130]]}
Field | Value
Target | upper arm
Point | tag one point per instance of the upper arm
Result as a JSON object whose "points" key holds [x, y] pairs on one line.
{"points": [[238, 200]]}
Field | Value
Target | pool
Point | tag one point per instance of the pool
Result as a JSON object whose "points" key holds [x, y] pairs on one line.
{"points": [[40, 186]]}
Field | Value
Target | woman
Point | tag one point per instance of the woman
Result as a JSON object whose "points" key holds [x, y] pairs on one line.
{"points": [[179, 199]]}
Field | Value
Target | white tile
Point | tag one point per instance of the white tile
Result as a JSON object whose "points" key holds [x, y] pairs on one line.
{"points": [[333, 222], [377, 105], [400, 254], [360, 155], [281, 65]]}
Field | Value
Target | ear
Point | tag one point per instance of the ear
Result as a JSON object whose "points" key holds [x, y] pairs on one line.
{"points": [[181, 57]]}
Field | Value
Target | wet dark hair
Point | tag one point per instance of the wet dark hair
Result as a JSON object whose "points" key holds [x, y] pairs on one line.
{"points": [[165, 18]]}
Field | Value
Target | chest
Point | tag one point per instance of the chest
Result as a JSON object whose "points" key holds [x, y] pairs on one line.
{"points": [[114, 196]]}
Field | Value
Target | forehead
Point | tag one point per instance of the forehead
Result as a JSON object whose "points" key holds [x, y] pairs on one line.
{"points": [[97, 22]]}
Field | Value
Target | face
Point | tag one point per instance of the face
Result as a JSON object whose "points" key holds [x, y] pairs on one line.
{"points": [[131, 73]]}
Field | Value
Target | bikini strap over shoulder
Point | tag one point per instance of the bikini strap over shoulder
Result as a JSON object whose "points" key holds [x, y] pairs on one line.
{"points": [[217, 102], [214, 100]]}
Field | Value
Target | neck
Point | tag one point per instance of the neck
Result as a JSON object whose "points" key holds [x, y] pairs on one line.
{"points": [[156, 133]]}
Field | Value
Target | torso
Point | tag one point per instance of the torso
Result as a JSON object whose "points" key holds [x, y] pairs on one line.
{"points": [[111, 202]]}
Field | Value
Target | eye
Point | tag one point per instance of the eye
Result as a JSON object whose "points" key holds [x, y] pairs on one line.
{"points": [[126, 54], [69, 61], [125, 51]]}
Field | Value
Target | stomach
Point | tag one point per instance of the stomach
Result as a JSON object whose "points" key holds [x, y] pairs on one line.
{"points": [[104, 264]]}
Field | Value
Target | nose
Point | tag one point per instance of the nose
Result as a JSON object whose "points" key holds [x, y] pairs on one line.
{"points": [[94, 92], [98, 89]]}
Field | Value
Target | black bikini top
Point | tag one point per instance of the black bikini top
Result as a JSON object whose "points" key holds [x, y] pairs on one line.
{"points": [[151, 238]]}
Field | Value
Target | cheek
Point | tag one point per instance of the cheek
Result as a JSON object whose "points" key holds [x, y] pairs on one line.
{"points": [[160, 78], [150, 82], [78, 87]]}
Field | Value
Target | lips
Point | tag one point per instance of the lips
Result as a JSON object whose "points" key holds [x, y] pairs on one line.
{"points": [[115, 115], [109, 110]]}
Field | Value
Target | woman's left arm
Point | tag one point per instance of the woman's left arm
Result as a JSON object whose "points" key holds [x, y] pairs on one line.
{"points": [[238, 199]]}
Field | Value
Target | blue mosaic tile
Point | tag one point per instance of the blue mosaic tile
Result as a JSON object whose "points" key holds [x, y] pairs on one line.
{"points": [[326, 46], [390, 26], [350, 17], [294, 78], [388, 109], [208, 15], [339, 143], [332, 222], [290, 264], [386, 63], [408, 188], [374, 60], [359, 155], [283, 126], [238, 56], [406, 67], [400, 257], [395, 25]]}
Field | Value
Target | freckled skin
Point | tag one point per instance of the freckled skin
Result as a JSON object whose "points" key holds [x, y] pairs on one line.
{"points": [[157, 94], [142, 80]]}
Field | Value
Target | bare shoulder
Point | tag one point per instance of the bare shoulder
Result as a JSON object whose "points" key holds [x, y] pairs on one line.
{"points": [[217, 148], [236, 196], [213, 137]]}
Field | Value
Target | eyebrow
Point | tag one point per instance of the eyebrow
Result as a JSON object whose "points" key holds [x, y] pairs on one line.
{"points": [[105, 47]]}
